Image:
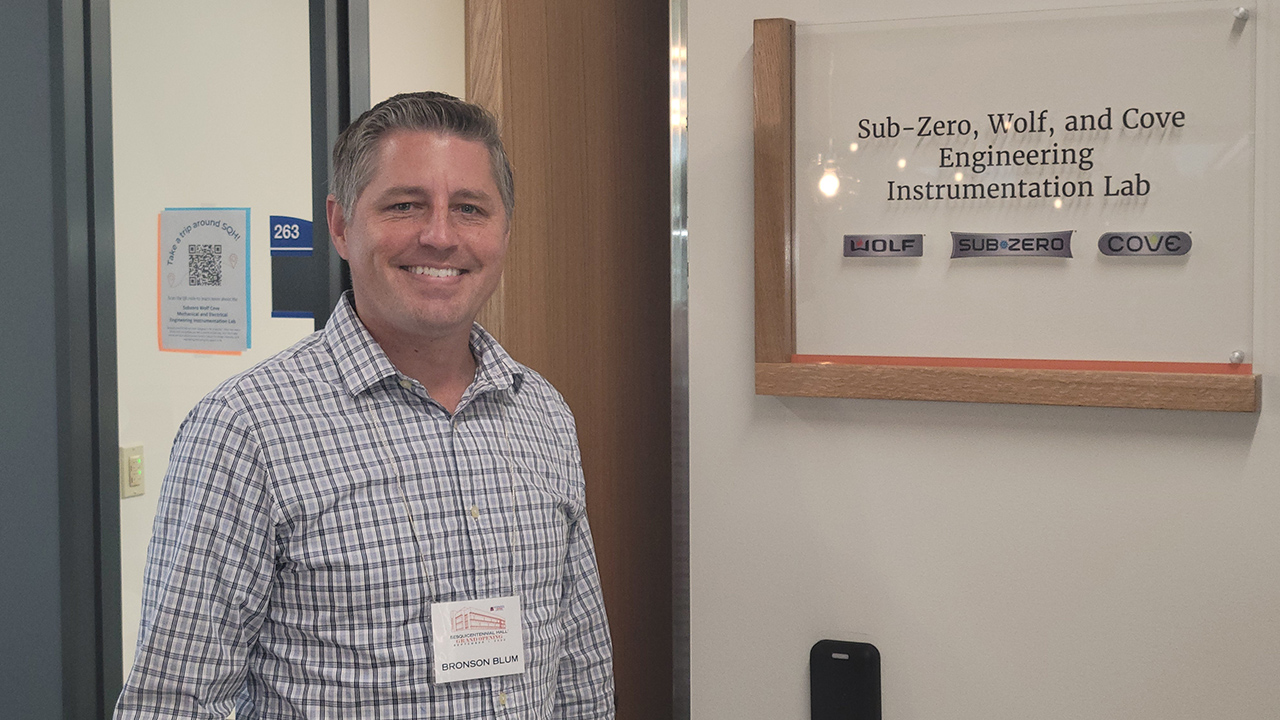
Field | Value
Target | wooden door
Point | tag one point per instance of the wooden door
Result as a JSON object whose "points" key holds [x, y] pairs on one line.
{"points": [[581, 88]]}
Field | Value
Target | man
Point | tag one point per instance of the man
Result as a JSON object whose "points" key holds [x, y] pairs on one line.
{"points": [[386, 520]]}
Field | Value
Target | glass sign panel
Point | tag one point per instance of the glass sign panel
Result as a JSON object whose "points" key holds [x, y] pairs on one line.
{"points": [[1073, 185]]}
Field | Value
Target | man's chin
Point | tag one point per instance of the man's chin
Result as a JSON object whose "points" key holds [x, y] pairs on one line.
{"points": [[437, 324], [411, 322]]}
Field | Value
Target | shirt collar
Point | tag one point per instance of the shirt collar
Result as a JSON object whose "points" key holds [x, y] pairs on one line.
{"points": [[362, 363], [495, 369]]}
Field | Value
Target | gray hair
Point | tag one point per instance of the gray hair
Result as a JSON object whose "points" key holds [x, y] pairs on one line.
{"points": [[355, 152]]}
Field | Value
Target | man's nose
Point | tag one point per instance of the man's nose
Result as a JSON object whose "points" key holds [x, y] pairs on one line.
{"points": [[437, 230]]}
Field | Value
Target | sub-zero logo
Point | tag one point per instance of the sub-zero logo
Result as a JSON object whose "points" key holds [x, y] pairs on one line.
{"points": [[1145, 243], [883, 245], [1052, 244], [472, 619]]}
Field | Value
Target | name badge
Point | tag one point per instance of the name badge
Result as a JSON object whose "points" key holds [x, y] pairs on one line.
{"points": [[477, 639]]}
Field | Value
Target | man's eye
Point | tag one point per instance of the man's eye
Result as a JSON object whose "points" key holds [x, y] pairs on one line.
{"points": [[402, 207], [468, 209]]}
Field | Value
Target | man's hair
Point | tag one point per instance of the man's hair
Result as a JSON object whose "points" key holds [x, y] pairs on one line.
{"points": [[355, 154]]}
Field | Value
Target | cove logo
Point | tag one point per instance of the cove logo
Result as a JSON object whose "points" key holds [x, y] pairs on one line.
{"points": [[1132, 244]]}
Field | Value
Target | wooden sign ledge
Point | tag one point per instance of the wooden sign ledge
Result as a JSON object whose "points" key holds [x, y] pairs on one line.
{"points": [[1092, 388]]}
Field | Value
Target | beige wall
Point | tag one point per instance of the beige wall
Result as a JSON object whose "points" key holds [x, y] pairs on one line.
{"points": [[416, 45], [1009, 562], [210, 107]]}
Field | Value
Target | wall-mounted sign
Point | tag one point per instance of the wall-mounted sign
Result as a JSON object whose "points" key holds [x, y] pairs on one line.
{"points": [[1004, 329], [293, 272], [203, 280]]}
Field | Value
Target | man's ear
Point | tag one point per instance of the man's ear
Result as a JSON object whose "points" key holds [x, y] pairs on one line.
{"points": [[337, 225]]}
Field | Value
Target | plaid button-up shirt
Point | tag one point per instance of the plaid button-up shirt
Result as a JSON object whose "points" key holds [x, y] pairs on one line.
{"points": [[317, 505]]}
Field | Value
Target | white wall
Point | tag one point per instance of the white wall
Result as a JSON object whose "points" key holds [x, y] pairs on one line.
{"points": [[416, 45], [1010, 562], [211, 106]]}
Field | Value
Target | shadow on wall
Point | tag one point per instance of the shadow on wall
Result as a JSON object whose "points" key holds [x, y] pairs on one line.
{"points": [[1077, 424]]}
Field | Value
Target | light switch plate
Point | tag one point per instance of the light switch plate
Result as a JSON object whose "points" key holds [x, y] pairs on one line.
{"points": [[132, 475]]}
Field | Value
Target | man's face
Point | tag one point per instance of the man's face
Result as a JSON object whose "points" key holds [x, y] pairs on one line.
{"points": [[426, 238]]}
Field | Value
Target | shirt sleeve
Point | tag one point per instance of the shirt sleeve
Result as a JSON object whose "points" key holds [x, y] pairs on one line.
{"points": [[585, 690], [208, 574]]}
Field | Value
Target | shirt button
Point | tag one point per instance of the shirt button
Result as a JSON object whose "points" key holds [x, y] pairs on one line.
{"points": [[502, 699], [406, 383], [475, 512]]}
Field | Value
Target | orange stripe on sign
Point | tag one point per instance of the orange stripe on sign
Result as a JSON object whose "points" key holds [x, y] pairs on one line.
{"points": [[1027, 364], [203, 352]]}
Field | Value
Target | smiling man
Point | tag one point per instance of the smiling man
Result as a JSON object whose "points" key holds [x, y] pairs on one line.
{"points": [[387, 519]]}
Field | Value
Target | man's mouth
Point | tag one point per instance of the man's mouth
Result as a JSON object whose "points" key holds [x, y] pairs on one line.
{"points": [[432, 272]]}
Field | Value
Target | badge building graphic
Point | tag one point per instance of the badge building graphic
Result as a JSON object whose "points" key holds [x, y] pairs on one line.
{"points": [[472, 619]]}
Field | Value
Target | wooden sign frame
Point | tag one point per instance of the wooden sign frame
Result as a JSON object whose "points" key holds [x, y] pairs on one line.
{"points": [[780, 371]]}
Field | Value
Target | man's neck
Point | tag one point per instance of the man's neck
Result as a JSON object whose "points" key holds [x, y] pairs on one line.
{"points": [[444, 365]]}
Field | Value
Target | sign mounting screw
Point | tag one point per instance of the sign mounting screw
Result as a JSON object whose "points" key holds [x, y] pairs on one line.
{"points": [[1241, 13], [1237, 357]]}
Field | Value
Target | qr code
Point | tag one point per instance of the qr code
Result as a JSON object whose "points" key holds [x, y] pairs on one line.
{"points": [[204, 264]]}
